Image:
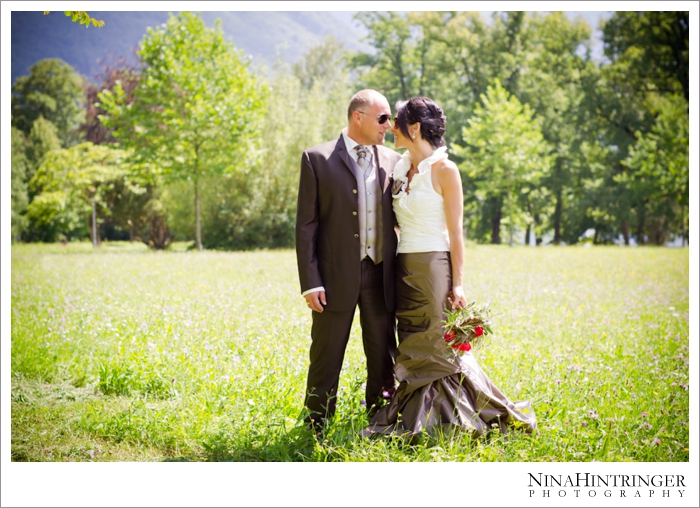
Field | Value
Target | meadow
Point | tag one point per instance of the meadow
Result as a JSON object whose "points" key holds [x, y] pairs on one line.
{"points": [[124, 354]]}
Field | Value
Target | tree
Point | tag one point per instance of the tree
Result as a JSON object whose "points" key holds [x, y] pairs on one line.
{"points": [[74, 183], [648, 54], [197, 109], [660, 165], [392, 69], [553, 87], [52, 90], [256, 208], [19, 195], [505, 156]]}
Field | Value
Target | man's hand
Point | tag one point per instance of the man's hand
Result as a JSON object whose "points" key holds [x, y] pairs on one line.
{"points": [[316, 300]]}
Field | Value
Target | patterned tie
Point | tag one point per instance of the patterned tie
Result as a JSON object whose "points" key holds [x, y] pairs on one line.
{"points": [[363, 160]]}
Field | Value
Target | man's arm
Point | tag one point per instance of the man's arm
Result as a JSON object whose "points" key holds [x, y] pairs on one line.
{"points": [[306, 232]]}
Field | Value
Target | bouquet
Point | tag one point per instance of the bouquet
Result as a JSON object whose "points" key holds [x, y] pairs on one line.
{"points": [[467, 328]]}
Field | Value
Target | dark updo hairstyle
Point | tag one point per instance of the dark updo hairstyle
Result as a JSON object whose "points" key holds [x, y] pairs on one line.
{"points": [[432, 119]]}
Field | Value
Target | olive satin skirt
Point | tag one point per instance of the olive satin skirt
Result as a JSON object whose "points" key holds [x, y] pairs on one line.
{"points": [[437, 388]]}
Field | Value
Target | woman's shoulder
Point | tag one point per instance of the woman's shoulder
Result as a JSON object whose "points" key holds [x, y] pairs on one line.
{"points": [[445, 166]]}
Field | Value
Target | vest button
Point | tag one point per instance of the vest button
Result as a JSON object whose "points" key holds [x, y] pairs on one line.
{"points": [[354, 191], [354, 213], [356, 235]]}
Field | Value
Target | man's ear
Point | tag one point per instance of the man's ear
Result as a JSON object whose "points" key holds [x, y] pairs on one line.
{"points": [[356, 117]]}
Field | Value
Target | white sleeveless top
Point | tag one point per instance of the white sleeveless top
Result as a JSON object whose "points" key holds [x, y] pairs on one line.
{"points": [[420, 212]]}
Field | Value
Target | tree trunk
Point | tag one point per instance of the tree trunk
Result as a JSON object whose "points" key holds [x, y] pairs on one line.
{"points": [[625, 232], [538, 222], [641, 226], [94, 224], [198, 225], [527, 235], [557, 219], [511, 226], [496, 222]]}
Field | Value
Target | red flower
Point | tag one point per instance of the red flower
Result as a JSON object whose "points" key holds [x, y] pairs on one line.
{"points": [[449, 336], [463, 347], [478, 331]]}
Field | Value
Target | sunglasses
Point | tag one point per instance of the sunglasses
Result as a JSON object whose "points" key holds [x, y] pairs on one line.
{"points": [[380, 118]]}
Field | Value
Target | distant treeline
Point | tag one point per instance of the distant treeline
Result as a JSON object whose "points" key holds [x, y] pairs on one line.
{"points": [[192, 145]]}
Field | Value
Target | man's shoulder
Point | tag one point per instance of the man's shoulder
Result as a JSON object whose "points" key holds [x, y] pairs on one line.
{"points": [[388, 153], [326, 148]]}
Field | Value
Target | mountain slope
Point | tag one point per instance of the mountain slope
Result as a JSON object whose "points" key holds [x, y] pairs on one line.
{"points": [[264, 35]]}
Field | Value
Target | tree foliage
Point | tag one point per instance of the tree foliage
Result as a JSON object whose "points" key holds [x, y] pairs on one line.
{"points": [[650, 49], [548, 140], [82, 18], [120, 71], [659, 177], [71, 180], [43, 138], [52, 90], [19, 195]]}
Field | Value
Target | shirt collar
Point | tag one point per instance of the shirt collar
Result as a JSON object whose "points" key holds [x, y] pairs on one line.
{"points": [[350, 145]]}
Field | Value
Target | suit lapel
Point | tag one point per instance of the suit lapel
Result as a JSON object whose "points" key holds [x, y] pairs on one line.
{"points": [[344, 155]]}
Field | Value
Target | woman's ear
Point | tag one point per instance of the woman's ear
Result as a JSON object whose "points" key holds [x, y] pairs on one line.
{"points": [[414, 130]]}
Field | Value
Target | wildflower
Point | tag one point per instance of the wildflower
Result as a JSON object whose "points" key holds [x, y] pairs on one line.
{"points": [[584, 424], [478, 331], [386, 394], [449, 336], [363, 402], [644, 415], [657, 441], [558, 381], [463, 347]]}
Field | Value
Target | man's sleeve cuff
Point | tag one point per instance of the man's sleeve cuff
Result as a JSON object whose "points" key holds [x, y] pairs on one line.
{"points": [[312, 290]]}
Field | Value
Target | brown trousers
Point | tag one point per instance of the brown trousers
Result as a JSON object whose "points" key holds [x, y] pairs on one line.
{"points": [[330, 332]]}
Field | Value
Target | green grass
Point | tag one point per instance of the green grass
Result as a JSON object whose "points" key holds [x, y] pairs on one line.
{"points": [[122, 354]]}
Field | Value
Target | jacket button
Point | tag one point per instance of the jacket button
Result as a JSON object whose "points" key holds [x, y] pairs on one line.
{"points": [[356, 235], [354, 213], [354, 191]]}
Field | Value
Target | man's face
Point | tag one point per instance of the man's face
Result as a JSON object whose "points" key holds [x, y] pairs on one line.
{"points": [[370, 130]]}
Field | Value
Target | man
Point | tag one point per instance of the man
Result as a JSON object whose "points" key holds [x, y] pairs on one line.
{"points": [[346, 246]]}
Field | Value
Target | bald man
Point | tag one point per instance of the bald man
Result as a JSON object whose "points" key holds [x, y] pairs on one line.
{"points": [[346, 246]]}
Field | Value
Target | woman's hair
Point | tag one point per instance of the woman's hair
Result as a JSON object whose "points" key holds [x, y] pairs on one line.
{"points": [[432, 119]]}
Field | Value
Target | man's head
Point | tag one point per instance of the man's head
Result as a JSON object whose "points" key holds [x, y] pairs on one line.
{"points": [[366, 111]]}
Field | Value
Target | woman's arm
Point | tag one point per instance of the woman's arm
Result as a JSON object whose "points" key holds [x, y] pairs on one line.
{"points": [[449, 184]]}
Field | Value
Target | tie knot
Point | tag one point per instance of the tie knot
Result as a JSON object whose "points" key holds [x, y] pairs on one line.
{"points": [[362, 151]]}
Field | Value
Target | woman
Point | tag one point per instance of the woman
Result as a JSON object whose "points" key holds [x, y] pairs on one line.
{"points": [[437, 388]]}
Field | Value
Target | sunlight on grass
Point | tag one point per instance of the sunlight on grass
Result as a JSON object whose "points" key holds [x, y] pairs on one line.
{"points": [[121, 353]]}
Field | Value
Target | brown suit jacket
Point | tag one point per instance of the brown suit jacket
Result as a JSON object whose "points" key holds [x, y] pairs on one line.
{"points": [[327, 232]]}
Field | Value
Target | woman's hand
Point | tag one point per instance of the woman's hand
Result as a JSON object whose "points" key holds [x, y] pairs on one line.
{"points": [[457, 298]]}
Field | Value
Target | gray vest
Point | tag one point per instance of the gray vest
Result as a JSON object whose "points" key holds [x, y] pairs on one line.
{"points": [[369, 204]]}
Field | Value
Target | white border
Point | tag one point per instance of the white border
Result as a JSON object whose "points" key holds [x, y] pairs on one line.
{"points": [[345, 484]]}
